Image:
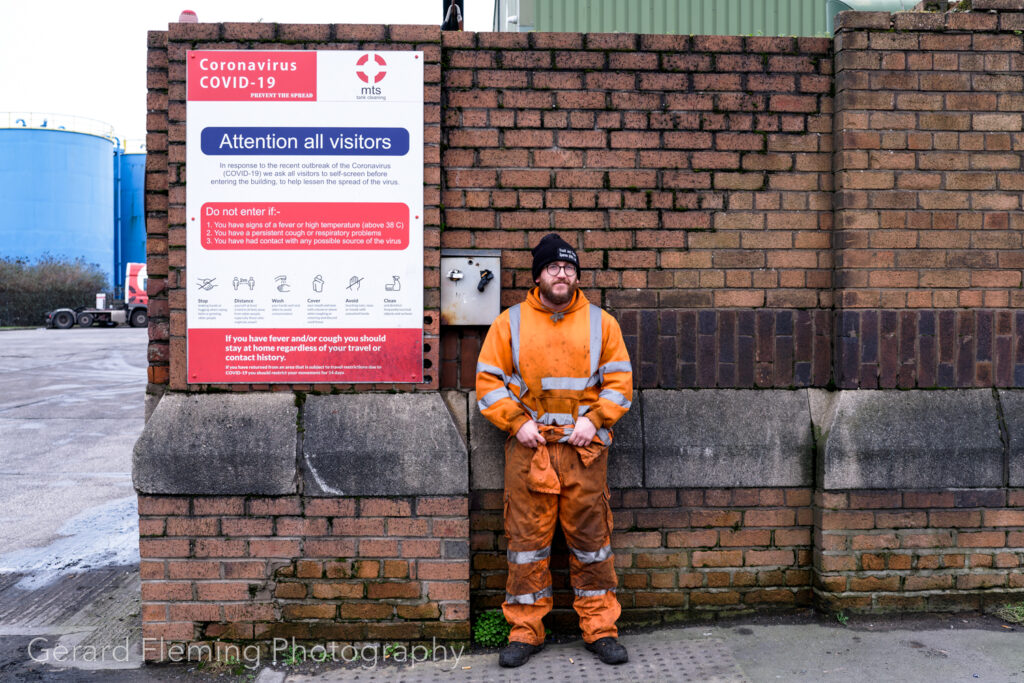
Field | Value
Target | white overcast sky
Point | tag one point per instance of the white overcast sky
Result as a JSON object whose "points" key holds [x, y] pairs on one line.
{"points": [[89, 58]]}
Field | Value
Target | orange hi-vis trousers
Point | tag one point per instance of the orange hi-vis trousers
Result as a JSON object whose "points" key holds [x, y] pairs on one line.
{"points": [[544, 485]]}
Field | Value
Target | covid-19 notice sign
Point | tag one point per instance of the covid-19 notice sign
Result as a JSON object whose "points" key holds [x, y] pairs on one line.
{"points": [[305, 216]]}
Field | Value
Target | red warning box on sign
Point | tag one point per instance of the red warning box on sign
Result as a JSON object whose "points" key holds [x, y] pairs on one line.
{"points": [[305, 225], [297, 355], [233, 76]]}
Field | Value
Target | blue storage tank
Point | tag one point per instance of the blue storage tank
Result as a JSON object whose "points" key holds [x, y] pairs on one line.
{"points": [[129, 213], [55, 189]]}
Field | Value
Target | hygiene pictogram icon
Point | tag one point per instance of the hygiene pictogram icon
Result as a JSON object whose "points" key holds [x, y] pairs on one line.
{"points": [[249, 282]]}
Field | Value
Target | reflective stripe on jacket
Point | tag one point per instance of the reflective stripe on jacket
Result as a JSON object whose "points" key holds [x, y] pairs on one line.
{"points": [[554, 367]]}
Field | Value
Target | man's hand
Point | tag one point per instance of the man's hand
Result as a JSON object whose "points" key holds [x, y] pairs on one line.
{"points": [[583, 433], [529, 435]]}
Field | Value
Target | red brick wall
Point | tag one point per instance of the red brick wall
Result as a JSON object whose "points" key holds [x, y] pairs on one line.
{"points": [[677, 349], [694, 173], [928, 214], [929, 348], [935, 550], [688, 172], [676, 551], [322, 569]]}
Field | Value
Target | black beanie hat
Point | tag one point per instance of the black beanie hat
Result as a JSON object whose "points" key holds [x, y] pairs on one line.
{"points": [[552, 248]]}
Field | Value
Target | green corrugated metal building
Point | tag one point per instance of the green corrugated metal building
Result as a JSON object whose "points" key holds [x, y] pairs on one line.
{"points": [[694, 17]]}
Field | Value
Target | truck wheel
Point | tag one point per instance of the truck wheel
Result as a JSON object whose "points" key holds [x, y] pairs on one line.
{"points": [[138, 319], [85, 319], [63, 320]]}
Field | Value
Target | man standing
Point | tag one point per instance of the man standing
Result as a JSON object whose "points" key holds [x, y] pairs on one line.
{"points": [[554, 373]]}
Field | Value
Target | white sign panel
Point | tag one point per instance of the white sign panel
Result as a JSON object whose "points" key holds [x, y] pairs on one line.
{"points": [[305, 216]]}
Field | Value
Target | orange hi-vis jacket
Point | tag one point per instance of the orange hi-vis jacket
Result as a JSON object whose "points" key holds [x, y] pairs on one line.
{"points": [[554, 367]]}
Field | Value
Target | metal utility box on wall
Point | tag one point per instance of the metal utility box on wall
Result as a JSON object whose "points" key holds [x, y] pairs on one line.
{"points": [[470, 286]]}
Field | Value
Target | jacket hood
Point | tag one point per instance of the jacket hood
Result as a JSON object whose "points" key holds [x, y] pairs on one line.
{"points": [[578, 301]]}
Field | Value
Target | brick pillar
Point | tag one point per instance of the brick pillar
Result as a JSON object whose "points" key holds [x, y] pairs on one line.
{"points": [[928, 206], [156, 213]]}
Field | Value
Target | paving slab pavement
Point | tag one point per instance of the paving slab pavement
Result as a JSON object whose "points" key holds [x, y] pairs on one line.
{"points": [[794, 648], [761, 649]]}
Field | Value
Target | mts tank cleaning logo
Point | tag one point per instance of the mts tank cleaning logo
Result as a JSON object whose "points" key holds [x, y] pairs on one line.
{"points": [[371, 70]]}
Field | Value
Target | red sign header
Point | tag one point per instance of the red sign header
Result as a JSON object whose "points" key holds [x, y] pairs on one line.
{"points": [[215, 75]]}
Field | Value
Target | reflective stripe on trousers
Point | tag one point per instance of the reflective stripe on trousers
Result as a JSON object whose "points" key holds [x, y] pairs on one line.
{"points": [[528, 598]]}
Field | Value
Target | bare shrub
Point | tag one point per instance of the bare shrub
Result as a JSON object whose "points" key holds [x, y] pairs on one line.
{"points": [[28, 290]]}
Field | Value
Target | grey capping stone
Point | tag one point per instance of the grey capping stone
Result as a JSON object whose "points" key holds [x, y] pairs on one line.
{"points": [[626, 456], [382, 445], [912, 439], [218, 444], [456, 402], [823, 404], [727, 438], [1012, 403], [152, 399], [487, 450]]}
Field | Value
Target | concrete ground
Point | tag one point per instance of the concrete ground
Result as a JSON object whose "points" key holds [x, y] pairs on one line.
{"points": [[71, 407]]}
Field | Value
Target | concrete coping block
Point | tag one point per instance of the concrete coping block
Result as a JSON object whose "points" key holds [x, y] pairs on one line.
{"points": [[1011, 402], [626, 456], [415, 33], [861, 20], [611, 41], [727, 438], [382, 445], [457, 404], [908, 439], [919, 21], [567, 40], [486, 450], [218, 444], [179, 31], [971, 21], [998, 5]]}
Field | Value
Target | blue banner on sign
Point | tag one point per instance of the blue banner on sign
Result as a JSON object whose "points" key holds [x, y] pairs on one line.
{"points": [[391, 142]]}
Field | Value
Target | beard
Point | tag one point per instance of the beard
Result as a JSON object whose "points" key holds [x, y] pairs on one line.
{"points": [[557, 298]]}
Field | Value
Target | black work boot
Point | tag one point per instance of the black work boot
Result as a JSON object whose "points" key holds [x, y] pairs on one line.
{"points": [[609, 650], [515, 654]]}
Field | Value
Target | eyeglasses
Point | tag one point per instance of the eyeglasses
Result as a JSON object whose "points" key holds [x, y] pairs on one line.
{"points": [[553, 268]]}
